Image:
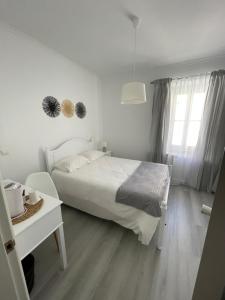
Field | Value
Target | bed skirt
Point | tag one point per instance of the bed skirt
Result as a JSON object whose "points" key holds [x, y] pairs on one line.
{"points": [[142, 224]]}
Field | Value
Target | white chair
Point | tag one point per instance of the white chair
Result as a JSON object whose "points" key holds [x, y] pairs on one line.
{"points": [[43, 183]]}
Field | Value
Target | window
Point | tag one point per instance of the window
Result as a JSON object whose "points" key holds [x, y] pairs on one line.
{"points": [[179, 120], [194, 121], [188, 100]]}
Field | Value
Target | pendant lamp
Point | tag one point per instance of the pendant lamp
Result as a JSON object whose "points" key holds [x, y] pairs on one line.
{"points": [[134, 92]]}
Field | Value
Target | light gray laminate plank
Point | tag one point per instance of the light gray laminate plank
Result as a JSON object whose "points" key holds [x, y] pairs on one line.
{"points": [[81, 250], [106, 261]]}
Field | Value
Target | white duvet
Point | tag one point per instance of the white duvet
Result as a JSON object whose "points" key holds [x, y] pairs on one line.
{"points": [[93, 187]]}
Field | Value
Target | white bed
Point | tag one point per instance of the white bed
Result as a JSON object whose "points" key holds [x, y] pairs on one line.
{"points": [[93, 187]]}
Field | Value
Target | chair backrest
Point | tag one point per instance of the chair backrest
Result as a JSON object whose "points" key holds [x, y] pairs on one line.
{"points": [[42, 182]]}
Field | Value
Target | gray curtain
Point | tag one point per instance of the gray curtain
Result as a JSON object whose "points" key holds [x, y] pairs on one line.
{"points": [[160, 119], [215, 136]]}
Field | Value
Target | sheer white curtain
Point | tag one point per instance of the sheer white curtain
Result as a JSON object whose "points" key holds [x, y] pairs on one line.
{"points": [[186, 138]]}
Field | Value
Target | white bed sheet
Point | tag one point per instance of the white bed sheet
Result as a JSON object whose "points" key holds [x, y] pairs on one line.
{"points": [[93, 189]]}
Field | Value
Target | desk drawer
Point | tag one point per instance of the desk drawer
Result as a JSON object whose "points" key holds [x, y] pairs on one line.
{"points": [[35, 234]]}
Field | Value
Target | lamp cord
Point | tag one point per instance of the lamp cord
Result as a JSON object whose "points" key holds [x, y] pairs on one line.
{"points": [[135, 51]]}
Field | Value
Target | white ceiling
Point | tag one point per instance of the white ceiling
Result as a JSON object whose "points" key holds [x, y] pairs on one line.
{"points": [[98, 35]]}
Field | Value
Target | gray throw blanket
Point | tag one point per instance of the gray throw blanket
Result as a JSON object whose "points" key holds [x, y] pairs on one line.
{"points": [[145, 188]]}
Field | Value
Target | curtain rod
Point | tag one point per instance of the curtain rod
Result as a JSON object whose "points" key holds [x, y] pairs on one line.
{"points": [[178, 78]]}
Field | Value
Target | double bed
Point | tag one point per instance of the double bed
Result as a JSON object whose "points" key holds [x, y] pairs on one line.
{"points": [[94, 187]]}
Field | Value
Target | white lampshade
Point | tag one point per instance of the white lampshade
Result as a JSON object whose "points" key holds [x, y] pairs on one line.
{"points": [[133, 93]]}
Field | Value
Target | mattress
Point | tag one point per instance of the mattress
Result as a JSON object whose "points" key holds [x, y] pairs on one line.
{"points": [[93, 189]]}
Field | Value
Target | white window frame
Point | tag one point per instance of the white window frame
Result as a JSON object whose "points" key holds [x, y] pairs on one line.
{"points": [[182, 149]]}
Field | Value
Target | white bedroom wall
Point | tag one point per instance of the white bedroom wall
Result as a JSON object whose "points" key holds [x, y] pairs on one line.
{"points": [[127, 127], [29, 71]]}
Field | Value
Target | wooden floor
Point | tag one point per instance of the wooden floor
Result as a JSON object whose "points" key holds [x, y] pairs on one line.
{"points": [[106, 262]]}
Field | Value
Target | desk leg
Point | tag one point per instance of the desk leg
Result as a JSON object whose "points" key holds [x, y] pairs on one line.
{"points": [[62, 248], [56, 240]]}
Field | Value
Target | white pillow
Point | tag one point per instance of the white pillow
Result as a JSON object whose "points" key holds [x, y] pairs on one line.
{"points": [[92, 154], [71, 163]]}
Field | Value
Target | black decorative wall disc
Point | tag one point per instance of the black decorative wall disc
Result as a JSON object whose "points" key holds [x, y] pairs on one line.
{"points": [[51, 106]]}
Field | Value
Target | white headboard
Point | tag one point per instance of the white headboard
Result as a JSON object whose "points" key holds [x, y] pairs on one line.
{"points": [[69, 147]]}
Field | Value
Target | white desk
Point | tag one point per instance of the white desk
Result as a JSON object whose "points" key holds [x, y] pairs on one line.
{"points": [[33, 231]]}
